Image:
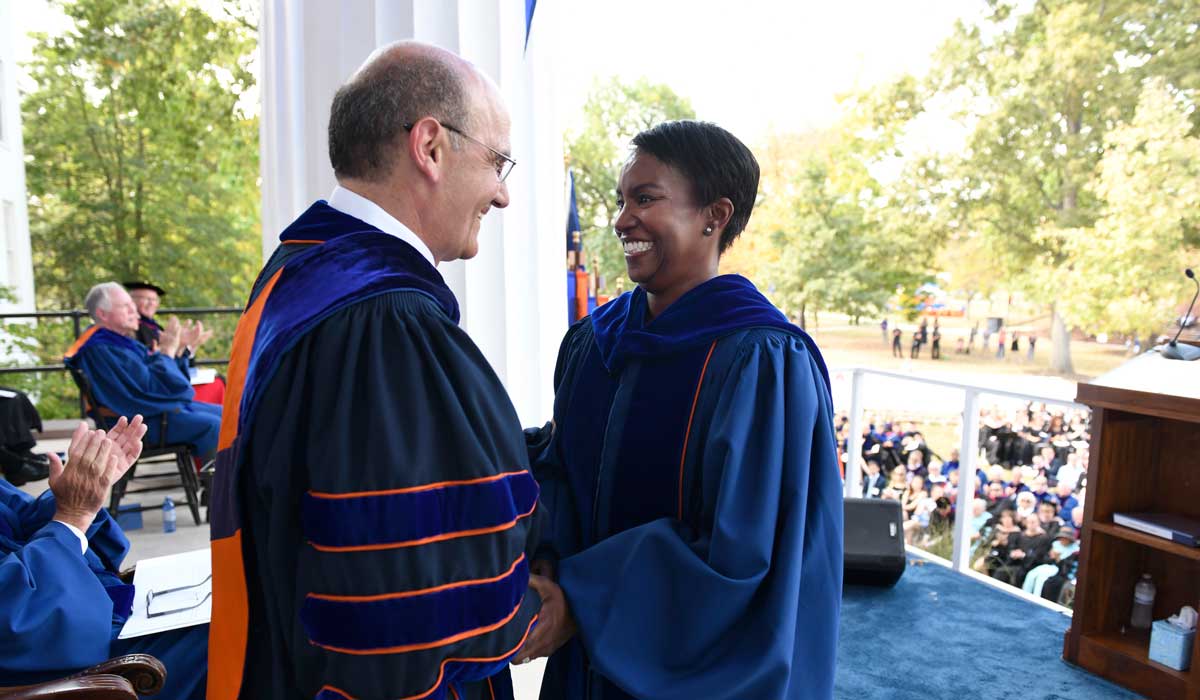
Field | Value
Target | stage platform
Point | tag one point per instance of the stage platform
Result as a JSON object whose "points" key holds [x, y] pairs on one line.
{"points": [[916, 641], [940, 634]]}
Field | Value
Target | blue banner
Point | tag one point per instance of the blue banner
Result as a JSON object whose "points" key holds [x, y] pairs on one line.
{"points": [[572, 216], [529, 7]]}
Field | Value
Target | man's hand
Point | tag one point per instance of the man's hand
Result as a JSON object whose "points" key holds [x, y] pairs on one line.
{"points": [[96, 460], [127, 439], [1016, 554], [79, 491], [555, 625], [193, 336], [168, 340], [203, 335]]}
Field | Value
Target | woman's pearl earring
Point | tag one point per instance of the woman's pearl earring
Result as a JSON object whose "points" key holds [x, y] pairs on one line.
{"points": [[708, 230]]}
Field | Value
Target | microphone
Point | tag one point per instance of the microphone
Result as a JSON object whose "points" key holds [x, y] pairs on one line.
{"points": [[1173, 350]]}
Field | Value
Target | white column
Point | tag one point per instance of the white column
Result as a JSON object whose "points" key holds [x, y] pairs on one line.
{"points": [[16, 260], [512, 294], [968, 457], [854, 441]]}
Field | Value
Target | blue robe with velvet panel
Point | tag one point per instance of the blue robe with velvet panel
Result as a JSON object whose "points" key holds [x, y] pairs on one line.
{"points": [[372, 499], [61, 611], [694, 503]]}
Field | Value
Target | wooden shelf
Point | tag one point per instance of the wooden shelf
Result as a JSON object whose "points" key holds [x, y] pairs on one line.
{"points": [[1144, 441], [1136, 645], [1150, 385], [1142, 538]]}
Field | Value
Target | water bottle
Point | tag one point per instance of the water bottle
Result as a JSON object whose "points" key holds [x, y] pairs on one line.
{"points": [[169, 518], [1143, 603]]}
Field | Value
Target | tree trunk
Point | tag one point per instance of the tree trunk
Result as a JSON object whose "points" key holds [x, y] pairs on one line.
{"points": [[1060, 339], [803, 319]]}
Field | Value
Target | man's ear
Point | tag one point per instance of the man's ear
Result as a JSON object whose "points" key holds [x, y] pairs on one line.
{"points": [[427, 148]]}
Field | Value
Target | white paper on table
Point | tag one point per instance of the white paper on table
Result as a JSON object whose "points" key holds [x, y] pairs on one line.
{"points": [[204, 375], [163, 573]]}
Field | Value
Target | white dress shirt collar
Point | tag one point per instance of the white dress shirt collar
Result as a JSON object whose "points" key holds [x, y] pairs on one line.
{"points": [[367, 211]]}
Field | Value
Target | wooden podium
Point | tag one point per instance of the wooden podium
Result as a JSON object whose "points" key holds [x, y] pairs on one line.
{"points": [[1145, 457]]}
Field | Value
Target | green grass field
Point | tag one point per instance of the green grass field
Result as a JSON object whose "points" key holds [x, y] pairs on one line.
{"points": [[845, 345]]}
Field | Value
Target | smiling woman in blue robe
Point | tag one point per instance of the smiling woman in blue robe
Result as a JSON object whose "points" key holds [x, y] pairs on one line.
{"points": [[690, 479]]}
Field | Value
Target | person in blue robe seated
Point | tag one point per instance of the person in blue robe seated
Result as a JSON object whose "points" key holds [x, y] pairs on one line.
{"points": [[129, 379], [690, 483], [373, 505], [64, 602]]}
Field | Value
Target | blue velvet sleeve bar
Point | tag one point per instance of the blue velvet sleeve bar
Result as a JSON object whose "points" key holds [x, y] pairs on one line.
{"points": [[389, 511], [748, 607], [129, 384]]}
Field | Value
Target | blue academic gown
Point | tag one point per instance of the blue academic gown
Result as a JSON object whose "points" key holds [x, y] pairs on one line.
{"points": [[694, 503], [129, 380], [373, 504], [61, 611]]}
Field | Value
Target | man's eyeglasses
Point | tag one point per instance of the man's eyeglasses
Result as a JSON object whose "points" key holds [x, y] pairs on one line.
{"points": [[150, 595], [504, 164]]}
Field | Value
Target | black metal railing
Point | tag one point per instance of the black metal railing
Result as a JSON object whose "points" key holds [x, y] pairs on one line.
{"points": [[78, 318]]}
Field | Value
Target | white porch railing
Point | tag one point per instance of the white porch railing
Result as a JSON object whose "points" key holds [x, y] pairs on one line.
{"points": [[969, 450]]}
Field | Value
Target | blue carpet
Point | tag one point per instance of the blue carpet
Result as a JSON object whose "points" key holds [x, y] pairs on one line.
{"points": [[916, 640]]}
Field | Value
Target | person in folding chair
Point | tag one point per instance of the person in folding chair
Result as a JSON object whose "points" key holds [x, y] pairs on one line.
{"points": [[128, 379], [64, 602]]}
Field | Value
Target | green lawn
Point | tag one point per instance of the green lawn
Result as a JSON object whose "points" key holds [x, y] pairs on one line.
{"points": [[845, 345]]}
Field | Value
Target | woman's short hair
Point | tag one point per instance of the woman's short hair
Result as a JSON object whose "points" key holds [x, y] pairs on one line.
{"points": [[713, 160]]}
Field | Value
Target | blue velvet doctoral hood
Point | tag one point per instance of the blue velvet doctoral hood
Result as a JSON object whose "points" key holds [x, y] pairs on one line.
{"points": [[325, 278], [718, 307]]}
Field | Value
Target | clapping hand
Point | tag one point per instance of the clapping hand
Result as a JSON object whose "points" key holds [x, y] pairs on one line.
{"points": [[96, 461], [169, 338], [194, 335]]}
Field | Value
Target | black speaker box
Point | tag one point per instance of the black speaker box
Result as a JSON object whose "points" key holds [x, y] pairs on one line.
{"points": [[874, 554]]}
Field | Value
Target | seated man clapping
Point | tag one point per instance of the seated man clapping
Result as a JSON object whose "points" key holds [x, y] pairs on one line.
{"points": [[63, 602], [128, 379]]}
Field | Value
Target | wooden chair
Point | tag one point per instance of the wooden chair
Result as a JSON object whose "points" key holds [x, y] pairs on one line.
{"points": [[180, 452], [122, 678]]}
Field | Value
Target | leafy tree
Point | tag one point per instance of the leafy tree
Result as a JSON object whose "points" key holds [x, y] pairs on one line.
{"points": [[613, 114], [1127, 270], [847, 240], [141, 163], [1042, 89]]}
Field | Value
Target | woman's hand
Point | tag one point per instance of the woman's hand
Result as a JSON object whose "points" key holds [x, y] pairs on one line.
{"points": [[554, 626]]}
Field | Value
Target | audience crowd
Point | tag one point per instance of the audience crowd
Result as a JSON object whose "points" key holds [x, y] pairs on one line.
{"points": [[1026, 509]]}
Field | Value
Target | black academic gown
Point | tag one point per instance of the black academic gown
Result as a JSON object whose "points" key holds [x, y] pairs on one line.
{"points": [[377, 489]]}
